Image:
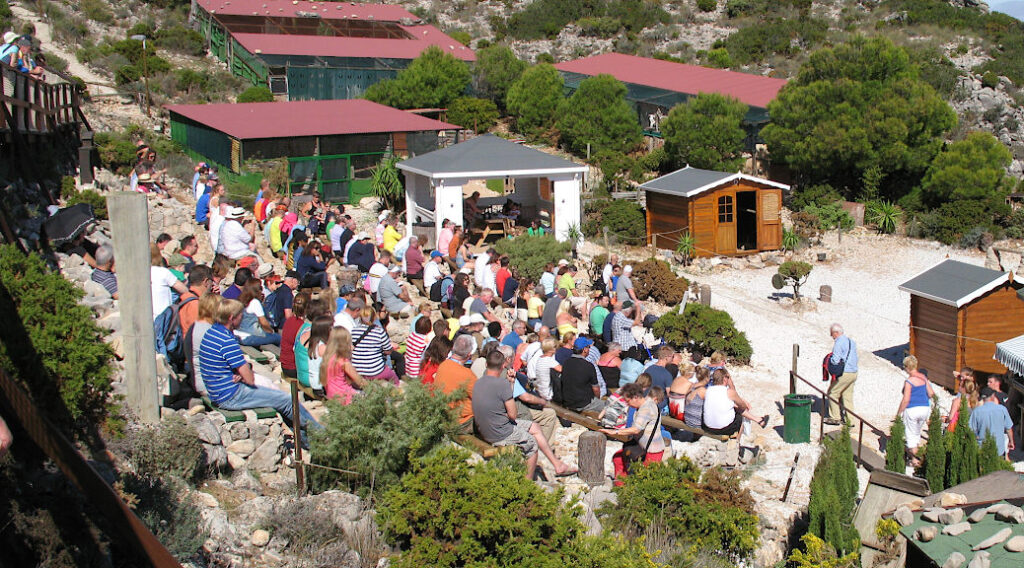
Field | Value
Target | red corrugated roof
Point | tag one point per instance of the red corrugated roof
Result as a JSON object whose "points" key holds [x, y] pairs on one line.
{"points": [[328, 46], [288, 8], [306, 118], [754, 90]]}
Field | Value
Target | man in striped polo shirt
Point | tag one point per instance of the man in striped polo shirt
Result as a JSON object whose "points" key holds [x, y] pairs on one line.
{"points": [[229, 379]]}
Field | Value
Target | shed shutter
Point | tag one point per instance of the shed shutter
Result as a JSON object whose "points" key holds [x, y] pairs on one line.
{"points": [[769, 206], [236, 155]]}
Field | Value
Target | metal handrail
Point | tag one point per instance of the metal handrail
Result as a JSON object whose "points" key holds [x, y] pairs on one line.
{"points": [[793, 377]]}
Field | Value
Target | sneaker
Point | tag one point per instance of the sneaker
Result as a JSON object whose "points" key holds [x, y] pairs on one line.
{"points": [[832, 421]]}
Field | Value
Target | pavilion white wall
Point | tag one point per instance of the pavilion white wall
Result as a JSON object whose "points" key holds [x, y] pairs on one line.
{"points": [[567, 203]]}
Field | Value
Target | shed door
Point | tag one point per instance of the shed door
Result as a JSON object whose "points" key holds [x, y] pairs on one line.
{"points": [[769, 234], [725, 237]]}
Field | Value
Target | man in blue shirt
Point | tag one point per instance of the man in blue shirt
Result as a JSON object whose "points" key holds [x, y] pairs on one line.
{"points": [[229, 379], [203, 210], [992, 419], [515, 337], [844, 363]]}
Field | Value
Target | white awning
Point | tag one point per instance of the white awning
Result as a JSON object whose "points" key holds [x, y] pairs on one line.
{"points": [[1011, 354]]}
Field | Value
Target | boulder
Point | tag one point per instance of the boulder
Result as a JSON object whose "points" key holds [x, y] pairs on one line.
{"points": [[207, 500], [1015, 544], [260, 537], [957, 529], [978, 515], [903, 516], [243, 448], [216, 456], [955, 560], [952, 499], [926, 534], [980, 560], [932, 515], [993, 540], [95, 289], [267, 456], [207, 431], [243, 479], [951, 516], [1011, 514], [235, 461]]}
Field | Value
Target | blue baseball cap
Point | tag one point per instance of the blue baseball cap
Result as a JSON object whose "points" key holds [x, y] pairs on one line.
{"points": [[436, 254], [582, 343]]}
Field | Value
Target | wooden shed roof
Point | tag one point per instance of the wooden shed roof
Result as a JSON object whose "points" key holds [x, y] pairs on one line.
{"points": [[955, 283], [689, 182]]}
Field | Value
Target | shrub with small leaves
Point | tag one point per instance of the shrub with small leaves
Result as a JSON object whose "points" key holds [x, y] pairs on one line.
{"points": [[98, 202], [624, 219], [256, 95], [527, 255], [819, 554], [895, 452], [654, 280], [795, 274], [171, 447], [707, 5], [989, 80], [989, 459], [479, 115], [704, 329]]}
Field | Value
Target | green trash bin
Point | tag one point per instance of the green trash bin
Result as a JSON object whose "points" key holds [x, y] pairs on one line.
{"points": [[797, 419]]}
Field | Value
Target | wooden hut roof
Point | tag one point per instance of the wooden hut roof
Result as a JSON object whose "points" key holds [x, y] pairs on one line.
{"points": [[689, 181], [955, 283]]}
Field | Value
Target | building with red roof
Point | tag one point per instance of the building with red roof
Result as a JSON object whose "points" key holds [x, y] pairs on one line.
{"points": [[655, 85], [304, 50], [331, 146]]}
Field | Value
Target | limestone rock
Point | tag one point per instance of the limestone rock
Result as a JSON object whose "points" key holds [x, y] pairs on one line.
{"points": [[1015, 544], [955, 560], [993, 540], [926, 534], [95, 289], [267, 456], [243, 479], [957, 529], [980, 560], [260, 537], [216, 456], [235, 461], [207, 431], [1011, 514], [978, 515], [932, 515], [951, 516], [243, 448], [903, 516], [952, 499], [207, 500]]}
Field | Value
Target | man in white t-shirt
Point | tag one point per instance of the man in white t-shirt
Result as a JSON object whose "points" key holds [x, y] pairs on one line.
{"points": [[606, 273], [347, 317], [481, 268], [162, 281], [432, 270], [237, 235], [377, 271]]}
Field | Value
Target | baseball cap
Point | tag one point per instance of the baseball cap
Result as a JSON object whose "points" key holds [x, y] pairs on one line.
{"points": [[477, 318], [265, 270], [362, 236], [464, 321], [582, 343], [24, 42], [346, 289], [436, 254], [395, 268], [563, 262], [627, 304], [383, 214]]}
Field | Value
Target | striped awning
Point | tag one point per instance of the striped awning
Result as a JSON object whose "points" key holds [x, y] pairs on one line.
{"points": [[1011, 354]]}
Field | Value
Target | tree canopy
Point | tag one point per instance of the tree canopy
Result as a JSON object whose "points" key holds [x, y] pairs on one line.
{"points": [[432, 80], [477, 114], [706, 132], [497, 68], [856, 109], [973, 168], [255, 95], [534, 100], [598, 114]]}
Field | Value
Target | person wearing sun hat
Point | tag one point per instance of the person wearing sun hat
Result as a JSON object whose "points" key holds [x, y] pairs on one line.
{"points": [[237, 235], [9, 46]]}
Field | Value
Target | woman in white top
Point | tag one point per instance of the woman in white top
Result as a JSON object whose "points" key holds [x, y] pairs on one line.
{"points": [[545, 364], [724, 410], [163, 282], [216, 215]]}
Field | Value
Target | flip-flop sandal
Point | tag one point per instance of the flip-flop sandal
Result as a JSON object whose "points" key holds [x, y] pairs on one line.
{"points": [[763, 423], [568, 472]]}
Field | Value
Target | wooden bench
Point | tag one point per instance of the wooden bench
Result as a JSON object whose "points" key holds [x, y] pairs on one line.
{"points": [[255, 354], [675, 424], [587, 422], [237, 415], [476, 445], [307, 391]]}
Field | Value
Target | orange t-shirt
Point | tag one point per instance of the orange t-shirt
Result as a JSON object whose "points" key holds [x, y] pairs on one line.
{"points": [[189, 313], [450, 377]]}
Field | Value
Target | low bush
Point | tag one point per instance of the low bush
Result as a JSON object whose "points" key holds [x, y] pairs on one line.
{"points": [[527, 255], [117, 153], [624, 219], [51, 344], [435, 516], [97, 11], [706, 510], [754, 44], [707, 5], [311, 534], [794, 273], [378, 435], [989, 80], [98, 202], [480, 115], [654, 280], [165, 507], [830, 216], [256, 95], [895, 448], [602, 26], [168, 448], [704, 329], [180, 39]]}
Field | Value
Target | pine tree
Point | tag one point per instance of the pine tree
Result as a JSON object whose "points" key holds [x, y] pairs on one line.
{"points": [[834, 491], [935, 453], [989, 459], [963, 450], [895, 449]]}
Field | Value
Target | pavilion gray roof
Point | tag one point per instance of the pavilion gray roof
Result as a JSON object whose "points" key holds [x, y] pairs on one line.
{"points": [[689, 182], [955, 283], [488, 156]]}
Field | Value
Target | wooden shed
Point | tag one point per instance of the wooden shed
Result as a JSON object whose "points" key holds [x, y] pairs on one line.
{"points": [[958, 312], [727, 213]]}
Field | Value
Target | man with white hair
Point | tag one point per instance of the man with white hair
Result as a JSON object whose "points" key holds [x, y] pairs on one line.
{"points": [[103, 274], [393, 295], [842, 365], [606, 273], [624, 289]]}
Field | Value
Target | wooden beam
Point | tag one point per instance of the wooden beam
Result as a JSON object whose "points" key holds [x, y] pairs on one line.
{"points": [[474, 444], [585, 421], [676, 424]]}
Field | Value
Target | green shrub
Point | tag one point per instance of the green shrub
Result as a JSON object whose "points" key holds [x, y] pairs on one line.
{"points": [[461, 36], [5, 15], [165, 507], [180, 39], [312, 533], [168, 448], [707, 511], [597, 116], [783, 36], [97, 11], [951, 221], [602, 26], [527, 255], [447, 512], [654, 280], [50, 344], [884, 215], [819, 554], [795, 274], [719, 57], [895, 448], [934, 464], [989, 80], [830, 216], [624, 219], [117, 153], [432, 80], [480, 115], [256, 95], [834, 491], [989, 459], [546, 18], [705, 329], [962, 449], [815, 194], [534, 99], [98, 202], [707, 5], [374, 435]]}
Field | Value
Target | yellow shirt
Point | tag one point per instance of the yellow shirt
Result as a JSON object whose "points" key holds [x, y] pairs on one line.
{"points": [[275, 234], [534, 308], [566, 281], [391, 238]]}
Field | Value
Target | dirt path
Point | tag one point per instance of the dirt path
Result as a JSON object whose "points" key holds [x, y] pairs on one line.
{"points": [[97, 84]]}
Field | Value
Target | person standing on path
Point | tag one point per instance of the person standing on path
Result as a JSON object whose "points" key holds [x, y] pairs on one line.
{"points": [[843, 366]]}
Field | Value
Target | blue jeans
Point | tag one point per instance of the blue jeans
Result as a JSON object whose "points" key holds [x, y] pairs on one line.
{"points": [[257, 340], [247, 397]]}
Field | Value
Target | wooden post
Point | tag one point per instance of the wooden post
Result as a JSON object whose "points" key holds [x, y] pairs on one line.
{"points": [[825, 293], [300, 466], [607, 249], [129, 223], [591, 457], [705, 294], [796, 356]]}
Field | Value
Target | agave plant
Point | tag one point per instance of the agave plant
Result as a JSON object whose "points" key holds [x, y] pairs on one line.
{"points": [[790, 240], [884, 215], [386, 184], [574, 235], [687, 246]]}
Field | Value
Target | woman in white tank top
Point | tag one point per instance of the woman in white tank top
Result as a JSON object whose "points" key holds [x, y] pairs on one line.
{"points": [[719, 409]]}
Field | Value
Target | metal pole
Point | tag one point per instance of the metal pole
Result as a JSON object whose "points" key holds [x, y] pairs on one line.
{"points": [[130, 224], [860, 442], [145, 77], [792, 472], [792, 378]]}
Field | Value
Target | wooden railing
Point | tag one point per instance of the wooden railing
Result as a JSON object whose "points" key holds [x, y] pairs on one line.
{"points": [[825, 398], [31, 106]]}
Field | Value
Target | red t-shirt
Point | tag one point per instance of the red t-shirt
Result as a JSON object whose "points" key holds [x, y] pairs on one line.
{"points": [[499, 279], [288, 332]]}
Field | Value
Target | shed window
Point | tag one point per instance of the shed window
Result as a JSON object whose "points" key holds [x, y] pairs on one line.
{"points": [[725, 209]]}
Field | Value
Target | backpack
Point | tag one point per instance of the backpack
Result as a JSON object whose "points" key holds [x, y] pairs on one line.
{"points": [[441, 291], [270, 309], [168, 338]]}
